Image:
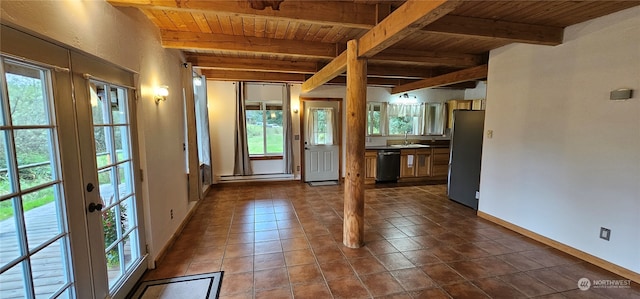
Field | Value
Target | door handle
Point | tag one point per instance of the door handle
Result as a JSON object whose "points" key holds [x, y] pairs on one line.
{"points": [[90, 187], [95, 207]]}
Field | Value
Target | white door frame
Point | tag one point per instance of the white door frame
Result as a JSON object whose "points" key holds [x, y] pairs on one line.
{"points": [[303, 100]]}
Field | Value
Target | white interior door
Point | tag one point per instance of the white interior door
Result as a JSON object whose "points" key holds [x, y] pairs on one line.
{"points": [[322, 141]]}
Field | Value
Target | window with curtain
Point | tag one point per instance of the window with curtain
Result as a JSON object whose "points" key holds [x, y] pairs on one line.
{"points": [[375, 118], [405, 119], [320, 126], [265, 134]]}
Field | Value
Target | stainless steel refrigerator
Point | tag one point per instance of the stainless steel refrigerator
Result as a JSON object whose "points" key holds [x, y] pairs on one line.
{"points": [[466, 156]]}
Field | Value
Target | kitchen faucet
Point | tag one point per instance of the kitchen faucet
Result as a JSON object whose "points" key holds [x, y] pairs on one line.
{"points": [[405, 138]]}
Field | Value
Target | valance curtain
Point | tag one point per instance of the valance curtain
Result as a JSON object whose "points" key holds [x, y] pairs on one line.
{"points": [[405, 110], [242, 164]]}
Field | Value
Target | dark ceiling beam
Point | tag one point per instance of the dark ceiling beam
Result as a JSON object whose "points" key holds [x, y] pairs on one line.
{"points": [[487, 29], [427, 58], [470, 74]]}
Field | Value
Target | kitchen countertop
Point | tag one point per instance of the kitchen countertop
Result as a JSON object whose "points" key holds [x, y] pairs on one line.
{"points": [[410, 146]]}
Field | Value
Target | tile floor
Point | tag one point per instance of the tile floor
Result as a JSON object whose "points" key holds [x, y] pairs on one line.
{"points": [[284, 240]]}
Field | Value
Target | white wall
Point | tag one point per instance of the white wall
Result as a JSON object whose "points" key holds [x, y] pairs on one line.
{"points": [[222, 117], [564, 160], [125, 37], [480, 92]]}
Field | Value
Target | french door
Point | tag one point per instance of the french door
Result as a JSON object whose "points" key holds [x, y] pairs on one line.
{"points": [[67, 179]]}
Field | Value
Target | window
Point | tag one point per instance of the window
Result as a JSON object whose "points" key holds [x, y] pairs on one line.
{"points": [[434, 118], [320, 126], [405, 119], [264, 128], [375, 118]]}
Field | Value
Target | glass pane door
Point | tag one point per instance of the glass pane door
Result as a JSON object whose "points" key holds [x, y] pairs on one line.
{"points": [[34, 236], [113, 157]]}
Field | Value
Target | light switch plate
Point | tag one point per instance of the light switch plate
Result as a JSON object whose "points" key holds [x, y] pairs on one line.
{"points": [[605, 233]]}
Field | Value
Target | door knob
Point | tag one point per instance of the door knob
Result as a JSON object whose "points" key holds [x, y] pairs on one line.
{"points": [[95, 207], [90, 187]]}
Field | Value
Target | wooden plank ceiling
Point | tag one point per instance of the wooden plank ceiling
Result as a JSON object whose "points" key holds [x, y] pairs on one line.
{"points": [[229, 40]]}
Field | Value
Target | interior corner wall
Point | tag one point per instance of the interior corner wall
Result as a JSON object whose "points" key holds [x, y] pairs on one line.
{"points": [[126, 38], [564, 160], [221, 98]]}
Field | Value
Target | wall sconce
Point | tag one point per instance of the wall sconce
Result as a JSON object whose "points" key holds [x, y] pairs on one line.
{"points": [[161, 93]]}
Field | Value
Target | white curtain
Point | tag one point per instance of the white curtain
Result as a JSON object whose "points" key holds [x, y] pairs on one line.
{"points": [[315, 128], [405, 110]]}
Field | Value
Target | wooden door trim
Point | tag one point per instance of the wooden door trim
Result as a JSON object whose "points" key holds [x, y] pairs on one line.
{"points": [[302, 132]]}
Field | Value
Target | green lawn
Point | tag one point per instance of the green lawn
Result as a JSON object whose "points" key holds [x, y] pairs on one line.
{"points": [[275, 140], [29, 202]]}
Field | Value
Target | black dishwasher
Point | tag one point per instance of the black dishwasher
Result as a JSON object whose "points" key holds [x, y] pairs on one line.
{"points": [[388, 165]]}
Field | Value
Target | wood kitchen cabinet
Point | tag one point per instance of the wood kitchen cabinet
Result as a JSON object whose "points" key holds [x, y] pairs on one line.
{"points": [[415, 163], [370, 162], [440, 162]]}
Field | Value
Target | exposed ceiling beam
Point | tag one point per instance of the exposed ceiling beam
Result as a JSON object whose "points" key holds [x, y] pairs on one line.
{"points": [[408, 18], [230, 75], [398, 72], [333, 13], [330, 71], [373, 81], [253, 64], [487, 29], [474, 73], [301, 67], [246, 44], [412, 16], [427, 58]]}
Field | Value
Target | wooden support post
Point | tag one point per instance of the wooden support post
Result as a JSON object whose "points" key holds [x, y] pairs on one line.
{"points": [[353, 232]]}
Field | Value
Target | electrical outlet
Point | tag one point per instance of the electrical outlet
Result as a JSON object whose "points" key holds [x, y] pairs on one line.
{"points": [[605, 233], [489, 133], [298, 168], [477, 194], [171, 213]]}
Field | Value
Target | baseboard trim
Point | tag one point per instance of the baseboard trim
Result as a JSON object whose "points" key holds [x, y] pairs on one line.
{"points": [[624, 272], [173, 238]]}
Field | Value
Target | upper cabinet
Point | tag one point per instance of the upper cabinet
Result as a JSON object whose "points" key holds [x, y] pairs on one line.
{"points": [[463, 105]]}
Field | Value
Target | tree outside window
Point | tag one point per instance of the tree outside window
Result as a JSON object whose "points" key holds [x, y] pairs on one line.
{"points": [[375, 115], [405, 119]]}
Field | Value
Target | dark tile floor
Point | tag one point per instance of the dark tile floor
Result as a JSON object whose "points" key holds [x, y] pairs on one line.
{"points": [[284, 240]]}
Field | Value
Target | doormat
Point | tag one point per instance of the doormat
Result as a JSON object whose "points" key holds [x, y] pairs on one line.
{"points": [[323, 183], [200, 286]]}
